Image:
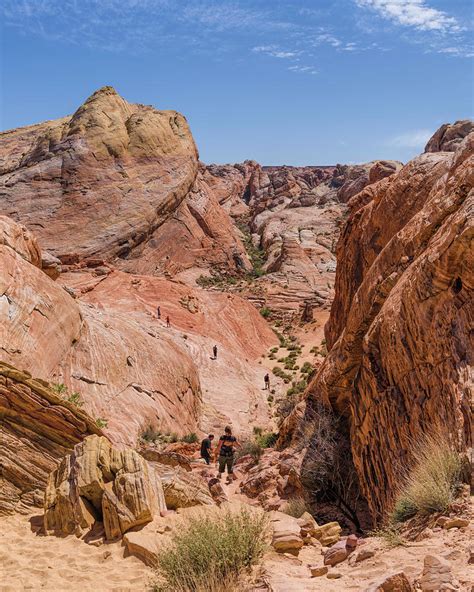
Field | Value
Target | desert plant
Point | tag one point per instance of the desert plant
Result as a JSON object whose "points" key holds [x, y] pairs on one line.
{"points": [[432, 483], [211, 553], [191, 438], [296, 507], [75, 399], [265, 312], [59, 388], [150, 434], [391, 534], [252, 448], [101, 422], [267, 439]]}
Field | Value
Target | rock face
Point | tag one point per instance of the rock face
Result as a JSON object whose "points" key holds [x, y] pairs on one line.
{"points": [[449, 136], [116, 182], [399, 331], [37, 428], [97, 482]]}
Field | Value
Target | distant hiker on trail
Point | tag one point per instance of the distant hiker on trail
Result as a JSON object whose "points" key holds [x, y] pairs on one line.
{"points": [[168, 324], [225, 453], [266, 379], [158, 312], [206, 446], [214, 351]]}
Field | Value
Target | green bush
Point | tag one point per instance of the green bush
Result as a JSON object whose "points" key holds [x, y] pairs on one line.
{"points": [[267, 439], [307, 368], [101, 422], [210, 554], [432, 484], [265, 312], [75, 399], [190, 438], [150, 434], [59, 388]]}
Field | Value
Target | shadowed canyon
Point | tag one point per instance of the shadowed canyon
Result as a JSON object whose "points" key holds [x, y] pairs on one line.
{"points": [[144, 297]]}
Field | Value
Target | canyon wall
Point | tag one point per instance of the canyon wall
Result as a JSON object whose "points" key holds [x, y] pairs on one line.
{"points": [[400, 331]]}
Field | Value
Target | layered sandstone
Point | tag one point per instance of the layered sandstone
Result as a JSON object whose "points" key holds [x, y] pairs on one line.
{"points": [[37, 428], [100, 184], [99, 483], [400, 334]]}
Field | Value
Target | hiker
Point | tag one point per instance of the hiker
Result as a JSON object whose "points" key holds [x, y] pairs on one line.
{"points": [[158, 312], [168, 324], [214, 351], [266, 379], [225, 453], [206, 446]]}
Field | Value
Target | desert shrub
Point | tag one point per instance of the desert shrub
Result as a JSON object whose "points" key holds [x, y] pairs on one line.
{"points": [[307, 368], [101, 422], [274, 350], [391, 534], [265, 312], [252, 448], [210, 554], [59, 388], [75, 399], [150, 434], [296, 507], [267, 439], [432, 484], [191, 438]]}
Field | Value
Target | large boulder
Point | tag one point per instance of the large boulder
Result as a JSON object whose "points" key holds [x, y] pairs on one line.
{"points": [[181, 488], [286, 533], [98, 482]]}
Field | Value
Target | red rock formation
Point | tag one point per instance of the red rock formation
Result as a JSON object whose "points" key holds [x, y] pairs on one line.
{"points": [[400, 334], [99, 185], [37, 428]]}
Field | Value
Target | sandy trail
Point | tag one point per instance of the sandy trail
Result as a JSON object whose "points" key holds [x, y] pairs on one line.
{"points": [[29, 561]]}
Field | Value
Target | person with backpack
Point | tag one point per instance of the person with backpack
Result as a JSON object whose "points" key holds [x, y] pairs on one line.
{"points": [[206, 446], [225, 453], [266, 380]]}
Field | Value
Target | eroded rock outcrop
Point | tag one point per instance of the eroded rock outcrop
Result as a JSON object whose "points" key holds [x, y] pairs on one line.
{"points": [[116, 182], [99, 483], [37, 428], [400, 328]]}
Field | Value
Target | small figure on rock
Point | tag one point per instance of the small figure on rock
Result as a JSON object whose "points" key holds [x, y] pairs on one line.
{"points": [[158, 313], [214, 352], [206, 446], [168, 324], [225, 453], [266, 379]]}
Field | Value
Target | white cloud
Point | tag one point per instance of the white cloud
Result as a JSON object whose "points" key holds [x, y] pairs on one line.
{"points": [[329, 39], [412, 139], [413, 13], [275, 52], [303, 69]]}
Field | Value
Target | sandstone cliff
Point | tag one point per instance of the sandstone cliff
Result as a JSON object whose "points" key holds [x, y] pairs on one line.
{"points": [[400, 331], [37, 428]]}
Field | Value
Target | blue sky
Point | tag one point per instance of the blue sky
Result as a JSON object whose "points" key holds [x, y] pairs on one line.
{"points": [[302, 82]]}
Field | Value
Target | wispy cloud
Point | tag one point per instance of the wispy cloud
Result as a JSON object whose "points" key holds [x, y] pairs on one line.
{"points": [[413, 139], [275, 52], [303, 69], [413, 13]]}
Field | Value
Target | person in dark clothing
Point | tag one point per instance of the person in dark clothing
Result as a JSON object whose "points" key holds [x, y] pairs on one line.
{"points": [[206, 446], [168, 324], [214, 351], [266, 379], [158, 312], [225, 453]]}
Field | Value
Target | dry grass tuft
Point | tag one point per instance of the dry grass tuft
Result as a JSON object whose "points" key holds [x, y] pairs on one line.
{"points": [[433, 482], [210, 554]]}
